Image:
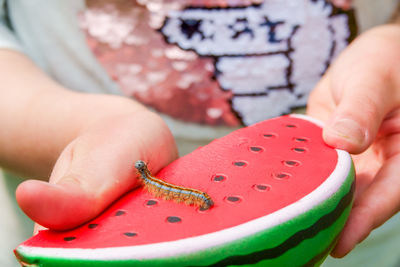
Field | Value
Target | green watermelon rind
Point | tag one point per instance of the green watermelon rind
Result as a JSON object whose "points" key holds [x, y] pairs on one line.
{"points": [[310, 250]]}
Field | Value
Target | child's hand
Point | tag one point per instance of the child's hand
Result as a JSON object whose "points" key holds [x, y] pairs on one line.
{"points": [[359, 98], [93, 140], [96, 168]]}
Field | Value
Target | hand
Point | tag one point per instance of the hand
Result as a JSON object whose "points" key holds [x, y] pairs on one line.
{"points": [[97, 166], [86, 143], [359, 99]]}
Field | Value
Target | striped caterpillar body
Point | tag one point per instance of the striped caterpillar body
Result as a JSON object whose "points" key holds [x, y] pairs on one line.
{"points": [[168, 191]]}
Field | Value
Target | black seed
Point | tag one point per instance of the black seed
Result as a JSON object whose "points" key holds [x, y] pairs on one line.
{"points": [[119, 213], [130, 234], [69, 238], [262, 187], [297, 149], [291, 163], [301, 139], [233, 199], [255, 148], [151, 202], [92, 225], [173, 219], [269, 135], [239, 163], [290, 126], [218, 178], [281, 175]]}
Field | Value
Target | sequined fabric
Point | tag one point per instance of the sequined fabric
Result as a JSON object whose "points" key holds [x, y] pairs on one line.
{"points": [[216, 62]]}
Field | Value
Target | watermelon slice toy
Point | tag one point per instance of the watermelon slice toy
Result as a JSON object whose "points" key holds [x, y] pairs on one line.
{"points": [[281, 198]]}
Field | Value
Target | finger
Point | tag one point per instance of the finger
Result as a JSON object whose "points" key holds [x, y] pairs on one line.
{"points": [[320, 103], [379, 202], [367, 166], [363, 95], [95, 169]]}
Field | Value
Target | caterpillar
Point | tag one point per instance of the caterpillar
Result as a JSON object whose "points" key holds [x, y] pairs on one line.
{"points": [[160, 188]]}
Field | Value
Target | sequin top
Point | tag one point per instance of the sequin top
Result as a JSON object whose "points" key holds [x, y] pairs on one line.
{"points": [[205, 65]]}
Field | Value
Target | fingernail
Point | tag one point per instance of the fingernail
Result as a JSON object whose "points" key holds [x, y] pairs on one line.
{"points": [[349, 130]]}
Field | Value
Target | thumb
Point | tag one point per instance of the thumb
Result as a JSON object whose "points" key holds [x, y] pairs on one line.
{"points": [[95, 169], [355, 122], [362, 86], [362, 102]]}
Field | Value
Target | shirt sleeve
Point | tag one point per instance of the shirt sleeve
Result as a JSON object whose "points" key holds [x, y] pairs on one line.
{"points": [[8, 39]]}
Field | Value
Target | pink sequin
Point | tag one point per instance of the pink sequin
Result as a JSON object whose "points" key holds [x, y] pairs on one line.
{"points": [[217, 62], [169, 79]]}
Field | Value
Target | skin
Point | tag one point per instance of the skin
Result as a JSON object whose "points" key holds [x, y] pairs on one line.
{"points": [[91, 140], [83, 146], [359, 99]]}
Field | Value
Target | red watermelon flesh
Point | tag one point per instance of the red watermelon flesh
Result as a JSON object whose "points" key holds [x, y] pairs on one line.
{"points": [[250, 173]]}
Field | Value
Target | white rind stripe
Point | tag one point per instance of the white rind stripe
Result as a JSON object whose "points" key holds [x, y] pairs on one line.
{"points": [[195, 244], [308, 118]]}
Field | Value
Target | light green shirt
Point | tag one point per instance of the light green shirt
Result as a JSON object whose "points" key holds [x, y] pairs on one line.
{"points": [[48, 32]]}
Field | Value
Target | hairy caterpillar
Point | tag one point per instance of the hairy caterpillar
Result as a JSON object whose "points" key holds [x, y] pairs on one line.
{"points": [[169, 191]]}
